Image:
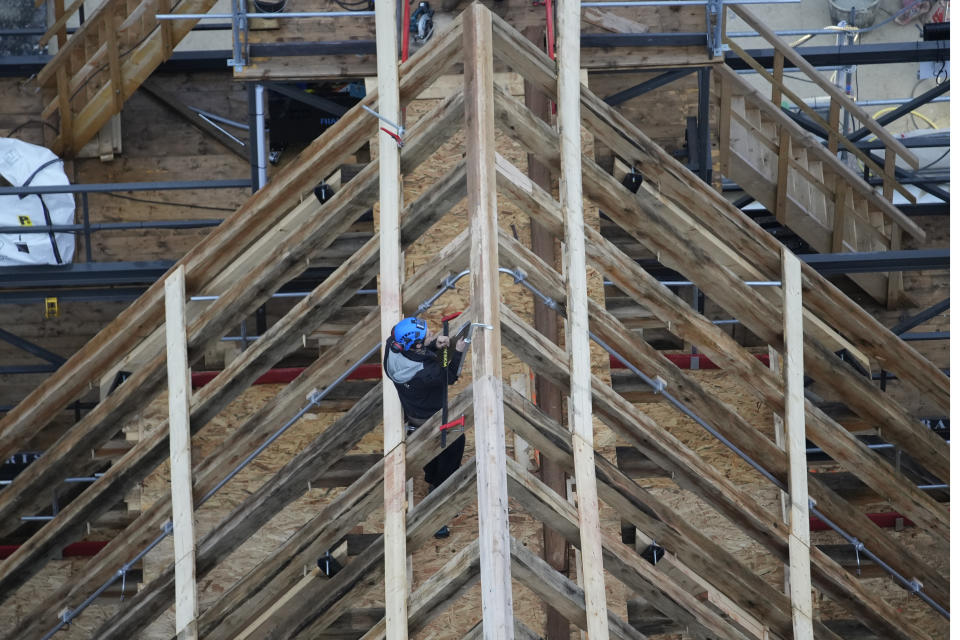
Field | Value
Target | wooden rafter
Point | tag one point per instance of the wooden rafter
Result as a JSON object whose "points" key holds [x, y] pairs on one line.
{"points": [[485, 349]]}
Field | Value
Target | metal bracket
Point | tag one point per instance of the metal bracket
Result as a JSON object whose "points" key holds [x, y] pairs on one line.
{"points": [[314, 397], [238, 15], [715, 28], [167, 527], [658, 384]]}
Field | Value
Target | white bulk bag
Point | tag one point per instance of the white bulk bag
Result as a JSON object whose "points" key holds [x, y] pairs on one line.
{"points": [[21, 162]]}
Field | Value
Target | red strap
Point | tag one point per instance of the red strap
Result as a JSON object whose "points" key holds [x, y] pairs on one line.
{"points": [[450, 317], [459, 422], [393, 135]]}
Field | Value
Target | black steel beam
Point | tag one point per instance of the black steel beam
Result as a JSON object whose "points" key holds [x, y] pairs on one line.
{"points": [[610, 40], [647, 86], [902, 110], [821, 56], [926, 141], [876, 262], [925, 335], [327, 106], [109, 187], [834, 56], [917, 319], [53, 279], [31, 348]]}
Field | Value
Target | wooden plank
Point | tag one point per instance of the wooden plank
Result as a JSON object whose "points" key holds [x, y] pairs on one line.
{"points": [[723, 123], [633, 280], [153, 88], [776, 87], [438, 591], [395, 582], [578, 338], [794, 423], [834, 129], [166, 29], [783, 166], [113, 58], [181, 467], [840, 217], [66, 113], [497, 598], [895, 278], [563, 594]]}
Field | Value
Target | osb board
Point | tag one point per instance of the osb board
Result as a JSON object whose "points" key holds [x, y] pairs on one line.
{"points": [[20, 110], [160, 146], [22, 603], [752, 555], [661, 113], [517, 13]]}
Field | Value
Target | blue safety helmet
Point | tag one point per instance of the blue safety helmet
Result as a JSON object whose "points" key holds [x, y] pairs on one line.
{"points": [[408, 332]]}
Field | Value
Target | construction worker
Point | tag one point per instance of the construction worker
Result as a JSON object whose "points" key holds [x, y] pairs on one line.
{"points": [[412, 361]]}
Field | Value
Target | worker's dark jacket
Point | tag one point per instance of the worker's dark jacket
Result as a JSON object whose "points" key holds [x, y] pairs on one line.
{"points": [[418, 377]]}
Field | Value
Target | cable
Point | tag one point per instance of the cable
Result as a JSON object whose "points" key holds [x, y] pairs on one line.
{"points": [[29, 122], [933, 125], [172, 204], [348, 6]]}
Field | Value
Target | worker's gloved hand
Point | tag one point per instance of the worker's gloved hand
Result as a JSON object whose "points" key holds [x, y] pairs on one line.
{"points": [[461, 345], [442, 341]]}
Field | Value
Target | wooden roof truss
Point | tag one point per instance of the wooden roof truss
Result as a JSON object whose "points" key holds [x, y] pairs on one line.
{"points": [[267, 242]]}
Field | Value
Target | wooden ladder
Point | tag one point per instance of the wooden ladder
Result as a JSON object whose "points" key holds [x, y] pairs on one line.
{"points": [[804, 183], [112, 53]]}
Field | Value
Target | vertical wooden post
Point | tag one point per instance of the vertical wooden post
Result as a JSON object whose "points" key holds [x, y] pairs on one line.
{"points": [[723, 122], [777, 89], [894, 278], [181, 466], [546, 321], [395, 580], [783, 170], [839, 216], [166, 29], [491, 457], [113, 20], [578, 337], [833, 135], [794, 415], [62, 31], [66, 115]]}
